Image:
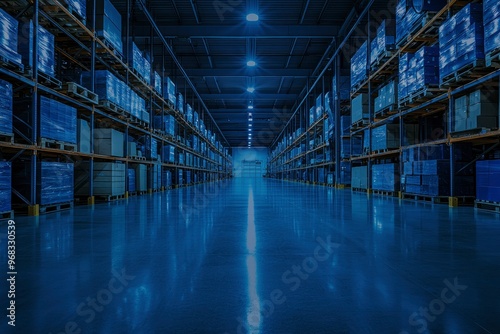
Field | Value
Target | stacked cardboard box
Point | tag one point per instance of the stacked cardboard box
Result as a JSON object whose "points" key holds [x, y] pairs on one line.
{"points": [[385, 177], [109, 179], [384, 41], [109, 142], [359, 108], [386, 96], [359, 179], [480, 109]]}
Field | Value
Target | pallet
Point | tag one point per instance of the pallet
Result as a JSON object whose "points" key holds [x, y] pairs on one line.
{"points": [[7, 137], [385, 150], [470, 132], [80, 93], [58, 145], [8, 63], [49, 81], [464, 74], [387, 111], [56, 207], [104, 53], [383, 58], [7, 215], [357, 87], [386, 193], [109, 198], [137, 158], [429, 36], [423, 94], [359, 124], [137, 193], [486, 205], [492, 58], [114, 108], [359, 190], [464, 200]]}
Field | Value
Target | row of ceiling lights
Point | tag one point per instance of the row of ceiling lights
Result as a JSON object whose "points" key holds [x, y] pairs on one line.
{"points": [[252, 17]]}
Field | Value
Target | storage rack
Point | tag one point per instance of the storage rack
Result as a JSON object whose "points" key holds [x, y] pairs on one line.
{"points": [[436, 102], [78, 48]]}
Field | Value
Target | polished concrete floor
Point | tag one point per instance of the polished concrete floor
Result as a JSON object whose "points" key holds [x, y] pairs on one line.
{"points": [[256, 256]]}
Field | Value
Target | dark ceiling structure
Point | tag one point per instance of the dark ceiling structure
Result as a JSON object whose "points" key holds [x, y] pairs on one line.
{"points": [[213, 41]]}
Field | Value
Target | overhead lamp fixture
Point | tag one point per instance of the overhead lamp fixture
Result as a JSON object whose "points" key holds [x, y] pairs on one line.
{"points": [[251, 63], [252, 17], [250, 114], [250, 107], [250, 89]]}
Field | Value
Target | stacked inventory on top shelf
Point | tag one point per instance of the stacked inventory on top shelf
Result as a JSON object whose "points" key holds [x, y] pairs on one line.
{"points": [[8, 39]]}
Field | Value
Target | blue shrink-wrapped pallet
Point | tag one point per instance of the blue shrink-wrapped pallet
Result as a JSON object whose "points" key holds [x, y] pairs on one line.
{"points": [[404, 75], [491, 26], [78, 6], [5, 186], [366, 140], [168, 154], [359, 177], [407, 20], [5, 107], [312, 115], [359, 108], [189, 113], [169, 91], [356, 146], [424, 69], [56, 182], [385, 177], [487, 180], [359, 65], [179, 179], [154, 181], [108, 23], [384, 41], [165, 123], [345, 172], [9, 38], [461, 40], [385, 137], [196, 120], [180, 103], [320, 106], [57, 121], [131, 180], [345, 125], [345, 148], [46, 48], [158, 84], [149, 147], [386, 96]]}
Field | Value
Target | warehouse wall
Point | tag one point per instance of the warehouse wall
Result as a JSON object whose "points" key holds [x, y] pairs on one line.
{"points": [[249, 154]]}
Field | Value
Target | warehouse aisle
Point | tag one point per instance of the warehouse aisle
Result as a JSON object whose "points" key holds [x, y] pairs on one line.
{"points": [[257, 256]]}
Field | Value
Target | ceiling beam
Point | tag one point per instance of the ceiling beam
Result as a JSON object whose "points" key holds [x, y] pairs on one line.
{"points": [[246, 96], [242, 31], [244, 72]]}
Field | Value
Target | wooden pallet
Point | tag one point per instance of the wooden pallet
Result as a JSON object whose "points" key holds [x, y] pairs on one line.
{"points": [[387, 111], [49, 81], [423, 94], [137, 158], [383, 57], [385, 150], [359, 190], [486, 205], [137, 193], [424, 198], [58, 145], [56, 207], [7, 137], [429, 36], [467, 73], [104, 53], [109, 198], [114, 108], [470, 132], [385, 193], [359, 124], [357, 87], [8, 63], [493, 58], [7, 215], [80, 93]]}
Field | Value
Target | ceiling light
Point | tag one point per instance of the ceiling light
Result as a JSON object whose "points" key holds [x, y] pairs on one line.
{"points": [[250, 107], [252, 17], [251, 63], [250, 89], [249, 125], [250, 114]]}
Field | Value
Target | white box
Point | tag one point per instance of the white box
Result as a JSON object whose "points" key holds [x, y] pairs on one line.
{"points": [[141, 177]]}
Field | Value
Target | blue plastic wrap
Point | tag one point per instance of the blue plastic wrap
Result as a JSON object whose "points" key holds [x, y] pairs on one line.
{"points": [[57, 121], [196, 120], [131, 180], [109, 24], [46, 48], [343, 89], [404, 75], [169, 91], [158, 83], [384, 41], [407, 20], [167, 179], [56, 182], [166, 124], [487, 180], [78, 6], [5, 107], [461, 40], [149, 147], [385, 137], [8, 37], [180, 103], [385, 177], [359, 65], [386, 96], [428, 5], [5, 186]]}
